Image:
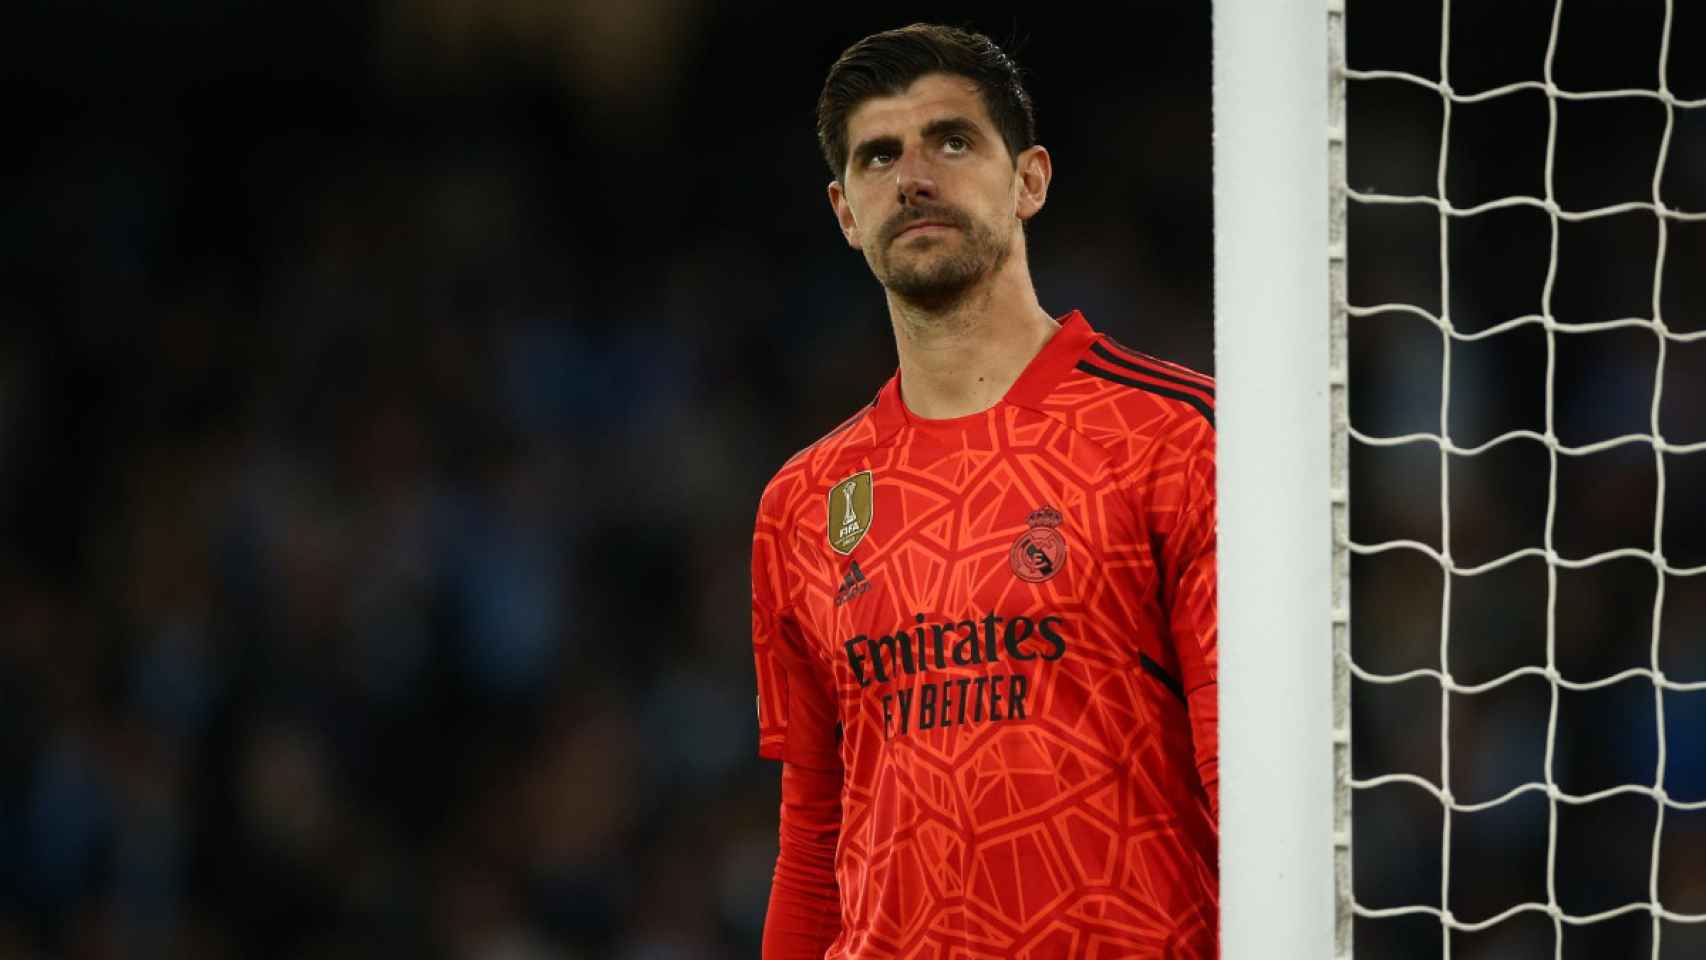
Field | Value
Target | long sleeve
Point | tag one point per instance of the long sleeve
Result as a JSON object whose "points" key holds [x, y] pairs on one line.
{"points": [[798, 725], [805, 907], [1193, 612]]}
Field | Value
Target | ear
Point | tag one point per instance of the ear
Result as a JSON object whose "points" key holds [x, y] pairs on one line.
{"points": [[1034, 171], [844, 215]]}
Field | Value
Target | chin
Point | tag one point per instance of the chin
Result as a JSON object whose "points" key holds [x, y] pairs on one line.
{"points": [[936, 289]]}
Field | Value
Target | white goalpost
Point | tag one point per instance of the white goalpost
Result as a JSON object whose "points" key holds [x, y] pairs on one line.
{"points": [[1287, 429], [1273, 367]]}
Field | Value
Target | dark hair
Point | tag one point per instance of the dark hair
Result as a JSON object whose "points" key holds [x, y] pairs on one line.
{"points": [[884, 64]]}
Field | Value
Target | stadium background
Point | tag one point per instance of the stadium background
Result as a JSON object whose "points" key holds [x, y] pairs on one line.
{"points": [[386, 389]]}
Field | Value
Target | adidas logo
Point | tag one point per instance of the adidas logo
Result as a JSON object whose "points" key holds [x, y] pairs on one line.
{"points": [[852, 585]]}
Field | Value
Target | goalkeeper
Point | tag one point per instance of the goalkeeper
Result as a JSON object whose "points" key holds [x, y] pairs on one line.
{"points": [[984, 606]]}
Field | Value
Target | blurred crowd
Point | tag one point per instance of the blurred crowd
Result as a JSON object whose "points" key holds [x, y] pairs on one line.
{"points": [[386, 390]]}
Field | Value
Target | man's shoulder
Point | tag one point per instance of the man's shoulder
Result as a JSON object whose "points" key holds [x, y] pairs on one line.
{"points": [[814, 466], [1118, 390]]}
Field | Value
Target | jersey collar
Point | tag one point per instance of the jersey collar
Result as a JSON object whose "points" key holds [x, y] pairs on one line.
{"points": [[1039, 377]]}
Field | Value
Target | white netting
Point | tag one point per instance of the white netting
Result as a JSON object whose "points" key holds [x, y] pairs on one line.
{"points": [[1664, 570]]}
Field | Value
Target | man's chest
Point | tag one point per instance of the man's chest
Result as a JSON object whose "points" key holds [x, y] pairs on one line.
{"points": [[951, 590]]}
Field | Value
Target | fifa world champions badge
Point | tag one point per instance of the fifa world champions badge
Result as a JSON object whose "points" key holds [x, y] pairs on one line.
{"points": [[850, 508], [1040, 551]]}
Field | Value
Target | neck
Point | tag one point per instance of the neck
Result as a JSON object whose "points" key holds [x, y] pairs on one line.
{"points": [[963, 357]]}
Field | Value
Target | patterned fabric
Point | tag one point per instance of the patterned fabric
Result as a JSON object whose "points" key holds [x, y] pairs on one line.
{"points": [[1001, 629]]}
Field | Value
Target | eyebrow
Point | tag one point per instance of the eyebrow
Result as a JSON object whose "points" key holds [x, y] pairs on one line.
{"points": [[935, 129]]}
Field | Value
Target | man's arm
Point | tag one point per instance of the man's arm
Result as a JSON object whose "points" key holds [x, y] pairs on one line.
{"points": [[797, 722], [1192, 607], [805, 906]]}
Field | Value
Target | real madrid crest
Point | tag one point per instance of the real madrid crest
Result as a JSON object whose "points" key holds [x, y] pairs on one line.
{"points": [[849, 514], [1040, 551]]}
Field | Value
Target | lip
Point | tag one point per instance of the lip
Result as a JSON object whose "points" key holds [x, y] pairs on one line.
{"points": [[922, 225]]}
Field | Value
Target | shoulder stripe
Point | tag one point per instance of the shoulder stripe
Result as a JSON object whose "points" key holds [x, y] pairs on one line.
{"points": [[1160, 391], [1153, 369], [812, 449], [850, 421], [1167, 680], [1158, 363]]}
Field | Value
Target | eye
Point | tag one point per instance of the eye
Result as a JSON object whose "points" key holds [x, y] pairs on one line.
{"points": [[878, 158], [957, 144]]}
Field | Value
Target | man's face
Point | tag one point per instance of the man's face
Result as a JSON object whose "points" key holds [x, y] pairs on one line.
{"points": [[930, 193]]}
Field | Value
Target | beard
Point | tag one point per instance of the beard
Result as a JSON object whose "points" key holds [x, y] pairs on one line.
{"points": [[935, 271]]}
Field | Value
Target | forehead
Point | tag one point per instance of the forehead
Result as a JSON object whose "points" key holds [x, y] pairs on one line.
{"points": [[930, 97]]}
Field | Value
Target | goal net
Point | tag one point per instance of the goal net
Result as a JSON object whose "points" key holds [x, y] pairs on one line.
{"points": [[1526, 348], [1511, 464]]}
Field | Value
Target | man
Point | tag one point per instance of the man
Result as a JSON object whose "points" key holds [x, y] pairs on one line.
{"points": [[984, 607]]}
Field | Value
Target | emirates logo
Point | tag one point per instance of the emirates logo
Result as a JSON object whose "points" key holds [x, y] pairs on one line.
{"points": [[1040, 551]]}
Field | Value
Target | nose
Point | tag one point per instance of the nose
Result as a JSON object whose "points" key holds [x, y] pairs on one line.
{"points": [[914, 179]]}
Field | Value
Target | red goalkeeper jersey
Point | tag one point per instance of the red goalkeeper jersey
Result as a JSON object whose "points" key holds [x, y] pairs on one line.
{"points": [[1000, 629]]}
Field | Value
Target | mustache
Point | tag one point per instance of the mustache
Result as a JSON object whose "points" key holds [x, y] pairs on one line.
{"points": [[912, 215]]}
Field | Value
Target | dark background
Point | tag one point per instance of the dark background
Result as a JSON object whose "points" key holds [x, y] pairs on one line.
{"points": [[386, 389]]}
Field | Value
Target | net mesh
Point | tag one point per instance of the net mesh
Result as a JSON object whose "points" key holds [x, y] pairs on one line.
{"points": [[1556, 322]]}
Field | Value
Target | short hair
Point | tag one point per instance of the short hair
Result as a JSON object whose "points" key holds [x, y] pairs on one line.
{"points": [[885, 64]]}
